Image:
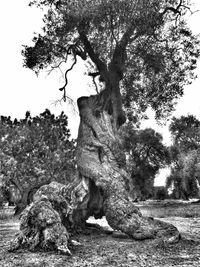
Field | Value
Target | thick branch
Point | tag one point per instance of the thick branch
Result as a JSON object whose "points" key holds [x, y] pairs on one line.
{"points": [[101, 66], [119, 55]]}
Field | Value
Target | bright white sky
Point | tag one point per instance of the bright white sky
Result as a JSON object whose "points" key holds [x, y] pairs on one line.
{"points": [[22, 90]]}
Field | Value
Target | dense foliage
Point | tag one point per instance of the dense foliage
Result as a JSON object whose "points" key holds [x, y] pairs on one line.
{"points": [[147, 43], [146, 154], [35, 151], [185, 154]]}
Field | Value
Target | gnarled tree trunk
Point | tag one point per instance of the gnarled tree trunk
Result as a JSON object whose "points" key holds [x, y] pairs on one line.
{"points": [[100, 158], [101, 188]]}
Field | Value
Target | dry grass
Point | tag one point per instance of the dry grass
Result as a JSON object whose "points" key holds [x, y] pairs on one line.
{"points": [[100, 250], [165, 209]]}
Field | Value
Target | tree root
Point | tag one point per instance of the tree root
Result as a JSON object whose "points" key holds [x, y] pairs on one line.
{"points": [[44, 223], [50, 222], [128, 219]]}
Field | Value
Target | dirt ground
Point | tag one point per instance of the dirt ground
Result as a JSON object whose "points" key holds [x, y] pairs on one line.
{"points": [[100, 249]]}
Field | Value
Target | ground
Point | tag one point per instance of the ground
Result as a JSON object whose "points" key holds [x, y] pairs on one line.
{"points": [[101, 249]]}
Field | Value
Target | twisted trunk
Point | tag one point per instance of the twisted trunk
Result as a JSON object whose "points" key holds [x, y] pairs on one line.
{"points": [[100, 158], [101, 187]]}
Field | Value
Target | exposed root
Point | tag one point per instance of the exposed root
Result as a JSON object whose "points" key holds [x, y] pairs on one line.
{"points": [[101, 189], [43, 223]]}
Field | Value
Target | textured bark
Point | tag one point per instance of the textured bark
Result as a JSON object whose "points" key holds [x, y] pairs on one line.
{"points": [[46, 222], [27, 196], [100, 158]]}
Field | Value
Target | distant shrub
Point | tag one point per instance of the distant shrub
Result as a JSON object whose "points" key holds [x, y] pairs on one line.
{"points": [[6, 213], [160, 193]]}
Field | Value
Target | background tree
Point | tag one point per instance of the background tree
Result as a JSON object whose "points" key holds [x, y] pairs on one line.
{"points": [[4, 195], [37, 150], [185, 157], [160, 193], [146, 155], [143, 48], [185, 132]]}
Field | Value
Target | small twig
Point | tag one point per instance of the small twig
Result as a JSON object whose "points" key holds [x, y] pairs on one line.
{"points": [[74, 50], [70, 101], [187, 7], [56, 67], [112, 29], [66, 80]]}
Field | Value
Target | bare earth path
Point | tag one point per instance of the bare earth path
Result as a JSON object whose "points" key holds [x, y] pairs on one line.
{"points": [[99, 249]]}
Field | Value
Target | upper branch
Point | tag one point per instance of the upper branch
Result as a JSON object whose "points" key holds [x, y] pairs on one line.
{"points": [[101, 66], [174, 10], [119, 55]]}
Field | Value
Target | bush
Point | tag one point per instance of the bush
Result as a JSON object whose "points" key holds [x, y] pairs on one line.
{"points": [[160, 194]]}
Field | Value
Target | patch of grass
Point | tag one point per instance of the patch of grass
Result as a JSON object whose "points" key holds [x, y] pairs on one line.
{"points": [[164, 210]]}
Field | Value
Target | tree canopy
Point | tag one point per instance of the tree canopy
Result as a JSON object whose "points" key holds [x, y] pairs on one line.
{"points": [[185, 157], [185, 132], [144, 44], [146, 154], [35, 151]]}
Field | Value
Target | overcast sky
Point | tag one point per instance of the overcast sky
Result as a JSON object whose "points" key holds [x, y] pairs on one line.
{"points": [[22, 90]]}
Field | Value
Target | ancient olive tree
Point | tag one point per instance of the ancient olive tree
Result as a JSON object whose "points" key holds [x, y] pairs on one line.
{"points": [[141, 48]]}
